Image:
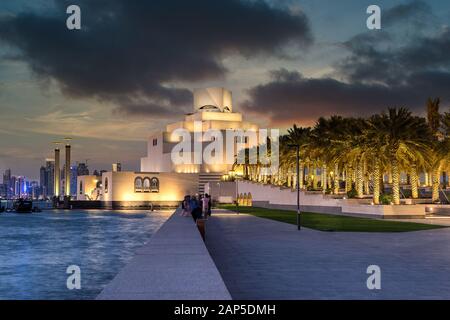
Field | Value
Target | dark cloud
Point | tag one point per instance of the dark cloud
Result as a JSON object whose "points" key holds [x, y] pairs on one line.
{"points": [[394, 53], [383, 69], [418, 12], [289, 97], [373, 59], [129, 48]]}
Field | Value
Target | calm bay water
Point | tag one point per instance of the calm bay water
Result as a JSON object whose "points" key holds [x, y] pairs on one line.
{"points": [[36, 249]]}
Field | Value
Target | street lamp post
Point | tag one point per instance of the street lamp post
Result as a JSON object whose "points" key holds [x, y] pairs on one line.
{"points": [[297, 146], [237, 194]]}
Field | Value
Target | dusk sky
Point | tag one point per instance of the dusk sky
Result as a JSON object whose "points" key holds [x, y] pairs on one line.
{"points": [[131, 68]]}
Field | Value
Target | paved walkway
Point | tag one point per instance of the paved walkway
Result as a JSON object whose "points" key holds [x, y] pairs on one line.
{"points": [[265, 259], [174, 264], [437, 220]]}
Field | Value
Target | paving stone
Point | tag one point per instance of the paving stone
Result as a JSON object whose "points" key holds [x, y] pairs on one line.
{"points": [[265, 259]]}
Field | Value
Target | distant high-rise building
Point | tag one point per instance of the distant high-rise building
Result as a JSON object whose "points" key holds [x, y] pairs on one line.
{"points": [[12, 187], [73, 180], [117, 167], [46, 179], [3, 191], [6, 186], [50, 182], [33, 190], [20, 187], [7, 176], [43, 181], [82, 169]]}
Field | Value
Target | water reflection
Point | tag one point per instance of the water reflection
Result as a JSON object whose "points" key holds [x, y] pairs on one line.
{"points": [[36, 249]]}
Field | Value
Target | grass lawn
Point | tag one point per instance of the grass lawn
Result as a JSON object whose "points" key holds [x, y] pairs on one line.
{"points": [[329, 222]]}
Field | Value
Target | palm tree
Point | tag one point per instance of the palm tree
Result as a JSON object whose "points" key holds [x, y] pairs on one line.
{"points": [[438, 144], [402, 136], [376, 151], [298, 136], [351, 149]]}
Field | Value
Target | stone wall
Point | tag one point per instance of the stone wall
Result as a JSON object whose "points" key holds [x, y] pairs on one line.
{"points": [[275, 197]]}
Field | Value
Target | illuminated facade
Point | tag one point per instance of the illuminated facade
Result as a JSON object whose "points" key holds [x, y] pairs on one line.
{"points": [[213, 110], [160, 180]]}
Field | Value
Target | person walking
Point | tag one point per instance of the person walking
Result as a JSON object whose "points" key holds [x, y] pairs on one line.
{"points": [[209, 205], [185, 207], [196, 209], [205, 206]]}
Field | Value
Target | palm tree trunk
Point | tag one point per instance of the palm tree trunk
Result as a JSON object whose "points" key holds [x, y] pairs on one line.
{"points": [[414, 182], [348, 179], [366, 185], [359, 180], [435, 184], [314, 177], [301, 174], [289, 178], [324, 179], [366, 176], [395, 181], [381, 182], [336, 179], [376, 182]]}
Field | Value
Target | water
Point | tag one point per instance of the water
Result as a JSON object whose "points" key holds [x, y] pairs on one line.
{"points": [[36, 249]]}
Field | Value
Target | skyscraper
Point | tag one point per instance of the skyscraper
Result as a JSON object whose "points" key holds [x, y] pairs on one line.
{"points": [[7, 184], [43, 181], [67, 172], [20, 188], [50, 177], [46, 179], [73, 180], [34, 191], [7, 177], [12, 187], [82, 169], [2, 191]]}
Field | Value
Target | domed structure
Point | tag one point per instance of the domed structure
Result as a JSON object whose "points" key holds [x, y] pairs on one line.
{"points": [[214, 99]]}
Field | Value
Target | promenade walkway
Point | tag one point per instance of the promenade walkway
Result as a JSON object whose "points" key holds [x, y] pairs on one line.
{"points": [[174, 264], [264, 259]]}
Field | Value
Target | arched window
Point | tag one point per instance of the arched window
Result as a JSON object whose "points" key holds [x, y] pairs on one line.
{"points": [[81, 187], [106, 185], [154, 184], [138, 184], [146, 184]]}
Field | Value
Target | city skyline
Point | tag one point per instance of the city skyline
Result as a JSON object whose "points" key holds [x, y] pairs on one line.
{"points": [[16, 185], [307, 63]]}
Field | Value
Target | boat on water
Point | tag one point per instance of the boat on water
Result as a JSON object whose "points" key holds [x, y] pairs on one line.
{"points": [[23, 206]]}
